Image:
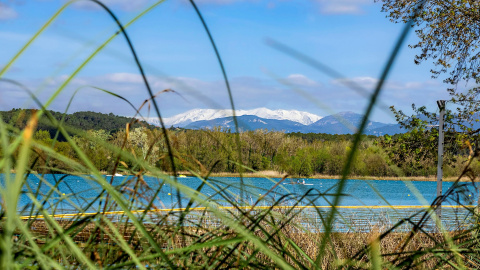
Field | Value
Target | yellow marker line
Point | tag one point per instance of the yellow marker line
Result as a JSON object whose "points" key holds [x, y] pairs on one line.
{"points": [[248, 207]]}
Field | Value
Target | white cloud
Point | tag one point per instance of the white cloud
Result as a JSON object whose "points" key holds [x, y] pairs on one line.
{"points": [[369, 83], [55, 81], [325, 6], [343, 6], [7, 13], [124, 78], [190, 93], [301, 80]]}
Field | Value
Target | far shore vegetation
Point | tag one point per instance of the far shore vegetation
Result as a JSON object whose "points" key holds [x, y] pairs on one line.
{"points": [[274, 174], [265, 153]]}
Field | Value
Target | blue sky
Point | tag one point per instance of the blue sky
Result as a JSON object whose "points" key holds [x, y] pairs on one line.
{"points": [[351, 36]]}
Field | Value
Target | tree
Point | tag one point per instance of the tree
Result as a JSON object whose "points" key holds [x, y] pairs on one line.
{"points": [[93, 143], [415, 152], [448, 32]]}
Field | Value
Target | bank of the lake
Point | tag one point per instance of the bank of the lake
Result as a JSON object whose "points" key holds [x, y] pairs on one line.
{"points": [[277, 174]]}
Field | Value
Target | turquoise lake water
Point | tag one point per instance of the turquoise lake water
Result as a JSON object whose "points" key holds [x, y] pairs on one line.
{"points": [[356, 192], [81, 191]]}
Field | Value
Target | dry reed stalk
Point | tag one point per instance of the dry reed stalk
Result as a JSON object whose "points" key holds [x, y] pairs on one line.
{"points": [[342, 247]]}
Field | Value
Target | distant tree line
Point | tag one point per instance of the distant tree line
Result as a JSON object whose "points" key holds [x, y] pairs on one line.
{"points": [[75, 121], [100, 136], [216, 151]]}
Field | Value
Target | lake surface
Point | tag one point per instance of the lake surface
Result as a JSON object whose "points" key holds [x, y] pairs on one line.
{"points": [[76, 191], [356, 192]]}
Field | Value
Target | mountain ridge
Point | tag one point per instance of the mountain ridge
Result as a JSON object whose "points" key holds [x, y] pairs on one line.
{"points": [[341, 123], [278, 120], [248, 122], [183, 119]]}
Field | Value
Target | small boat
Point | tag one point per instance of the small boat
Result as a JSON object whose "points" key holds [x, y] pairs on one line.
{"points": [[115, 175], [181, 176], [298, 184]]}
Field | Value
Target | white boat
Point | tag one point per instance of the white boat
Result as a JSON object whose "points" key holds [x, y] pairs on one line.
{"points": [[115, 175], [298, 184]]}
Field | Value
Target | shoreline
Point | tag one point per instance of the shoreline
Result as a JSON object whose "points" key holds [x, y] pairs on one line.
{"points": [[276, 174]]}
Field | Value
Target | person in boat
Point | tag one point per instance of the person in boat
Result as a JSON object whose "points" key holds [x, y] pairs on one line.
{"points": [[303, 181]]}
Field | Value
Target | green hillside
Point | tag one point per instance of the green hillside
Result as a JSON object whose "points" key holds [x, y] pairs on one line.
{"points": [[75, 121]]}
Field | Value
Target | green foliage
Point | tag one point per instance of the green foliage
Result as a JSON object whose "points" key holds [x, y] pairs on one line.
{"points": [[213, 150], [448, 34], [416, 151], [311, 137], [294, 153], [74, 122]]}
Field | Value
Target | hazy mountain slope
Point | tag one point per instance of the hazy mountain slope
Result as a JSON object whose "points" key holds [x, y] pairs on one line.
{"points": [[342, 123], [390, 129]]}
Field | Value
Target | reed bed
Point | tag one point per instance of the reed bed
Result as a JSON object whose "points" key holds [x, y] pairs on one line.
{"points": [[100, 242]]}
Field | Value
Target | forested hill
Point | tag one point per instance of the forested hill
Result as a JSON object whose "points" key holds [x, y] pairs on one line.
{"points": [[78, 120]]}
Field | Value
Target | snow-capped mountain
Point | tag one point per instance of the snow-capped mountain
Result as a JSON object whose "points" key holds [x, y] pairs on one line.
{"points": [[279, 120], [340, 123], [249, 122], [183, 119]]}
